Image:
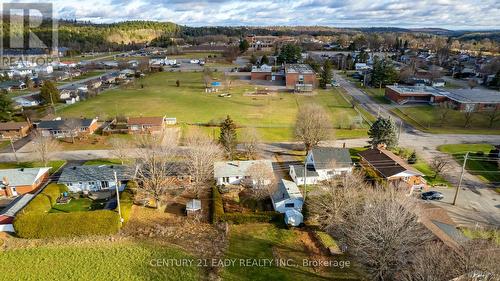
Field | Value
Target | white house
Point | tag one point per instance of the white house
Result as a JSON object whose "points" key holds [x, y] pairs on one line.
{"points": [[288, 200], [323, 163], [28, 101], [233, 172], [94, 178]]}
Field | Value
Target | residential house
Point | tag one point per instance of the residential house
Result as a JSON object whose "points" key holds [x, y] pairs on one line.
{"points": [[94, 84], [140, 125], [14, 130], [170, 120], [67, 128], [28, 101], [391, 168], [15, 182], [96, 177], [322, 163], [299, 77], [236, 172], [441, 225], [12, 85], [288, 200]]}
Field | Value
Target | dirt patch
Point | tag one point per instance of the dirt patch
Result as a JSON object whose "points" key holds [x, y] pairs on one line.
{"points": [[313, 249]]}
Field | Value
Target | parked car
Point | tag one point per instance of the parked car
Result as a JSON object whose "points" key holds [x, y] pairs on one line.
{"points": [[432, 195], [335, 83]]}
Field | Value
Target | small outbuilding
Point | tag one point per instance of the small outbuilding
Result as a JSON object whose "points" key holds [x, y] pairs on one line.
{"points": [[193, 207], [293, 217]]}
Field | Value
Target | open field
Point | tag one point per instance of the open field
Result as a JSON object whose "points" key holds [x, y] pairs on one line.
{"points": [[273, 115], [478, 163], [267, 241], [95, 261], [426, 118]]}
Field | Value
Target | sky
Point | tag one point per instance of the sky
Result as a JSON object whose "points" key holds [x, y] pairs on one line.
{"points": [[449, 14]]}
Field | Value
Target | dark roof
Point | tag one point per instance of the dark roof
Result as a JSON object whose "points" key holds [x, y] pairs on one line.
{"points": [[96, 173], [299, 171], [385, 162], [325, 156], [61, 124], [13, 125], [37, 98]]}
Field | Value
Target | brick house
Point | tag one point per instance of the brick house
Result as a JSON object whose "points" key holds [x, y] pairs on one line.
{"points": [[67, 127], [15, 182], [391, 168], [299, 77], [14, 130], [140, 125]]}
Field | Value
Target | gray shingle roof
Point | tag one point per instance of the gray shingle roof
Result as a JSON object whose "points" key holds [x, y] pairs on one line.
{"points": [[22, 176], [61, 124], [96, 173], [286, 189], [299, 171], [325, 156]]}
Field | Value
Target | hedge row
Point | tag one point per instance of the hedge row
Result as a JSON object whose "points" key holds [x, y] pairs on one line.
{"points": [[35, 221], [218, 214], [126, 202], [49, 225]]}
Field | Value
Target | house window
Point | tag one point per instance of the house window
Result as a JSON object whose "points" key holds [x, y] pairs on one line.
{"points": [[104, 184], [406, 178], [289, 205], [225, 179], [70, 184]]}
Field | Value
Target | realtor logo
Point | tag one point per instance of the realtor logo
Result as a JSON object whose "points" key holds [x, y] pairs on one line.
{"points": [[28, 26]]}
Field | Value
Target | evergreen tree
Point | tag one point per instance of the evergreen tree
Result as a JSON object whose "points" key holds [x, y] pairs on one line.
{"points": [[49, 92], [289, 53], [228, 137], [6, 108], [326, 74], [413, 158], [244, 45], [264, 60], [383, 131]]}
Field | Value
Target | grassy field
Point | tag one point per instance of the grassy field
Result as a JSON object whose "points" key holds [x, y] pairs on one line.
{"points": [[478, 164], [377, 94], [266, 241], [95, 261], [426, 118], [78, 205], [56, 164], [274, 115]]}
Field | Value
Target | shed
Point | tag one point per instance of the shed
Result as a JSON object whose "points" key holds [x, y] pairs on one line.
{"points": [[293, 217], [193, 206]]}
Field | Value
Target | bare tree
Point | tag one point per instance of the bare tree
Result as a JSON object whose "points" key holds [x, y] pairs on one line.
{"points": [[312, 125], [207, 76], [73, 126], [201, 153], [44, 147], [439, 164], [468, 113], [156, 155], [262, 180], [121, 148], [251, 140], [434, 72], [444, 110], [493, 116]]}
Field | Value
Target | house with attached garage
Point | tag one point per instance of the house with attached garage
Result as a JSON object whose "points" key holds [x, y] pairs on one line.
{"points": [[322, 163], [62, 128], [96, 177], [236, 172], [14, 182], [391, 168], [288, 200], [148, 125]]}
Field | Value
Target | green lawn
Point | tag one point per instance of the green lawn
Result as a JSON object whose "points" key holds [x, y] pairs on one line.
{"points": [[424, 168], [78, 205], [99, 261], [56, 164], [377, 94], [426, 118], [274, 116], [478, 164], [4, 144], [266, 241]]}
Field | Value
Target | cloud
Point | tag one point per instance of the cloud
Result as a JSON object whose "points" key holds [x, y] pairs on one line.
{"points": [[452, 14]]}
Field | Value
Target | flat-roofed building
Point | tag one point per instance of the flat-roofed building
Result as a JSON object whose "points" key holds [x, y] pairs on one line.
{"points": [[299, 77]]}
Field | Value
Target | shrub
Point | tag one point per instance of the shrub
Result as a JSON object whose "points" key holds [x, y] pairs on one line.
{"points": [[50, 225], [126, 202], [39, 204], [53, 191], [217, 207]]}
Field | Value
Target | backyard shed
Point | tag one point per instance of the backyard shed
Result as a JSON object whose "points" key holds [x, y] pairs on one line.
{"points": [[193, 206], [293, 217]]}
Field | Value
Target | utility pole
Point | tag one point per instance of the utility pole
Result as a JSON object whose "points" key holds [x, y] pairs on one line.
{"points": [[305, 178], [13, 150], [118, 199], [400, 129], [461, 177]]}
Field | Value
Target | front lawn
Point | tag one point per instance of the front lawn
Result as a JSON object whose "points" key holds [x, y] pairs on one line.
{"points": [[256, 242], [4, 144], [424, 168], [56, 165], [273, 115], [478, 162], [426, 118], [97, 261]]}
